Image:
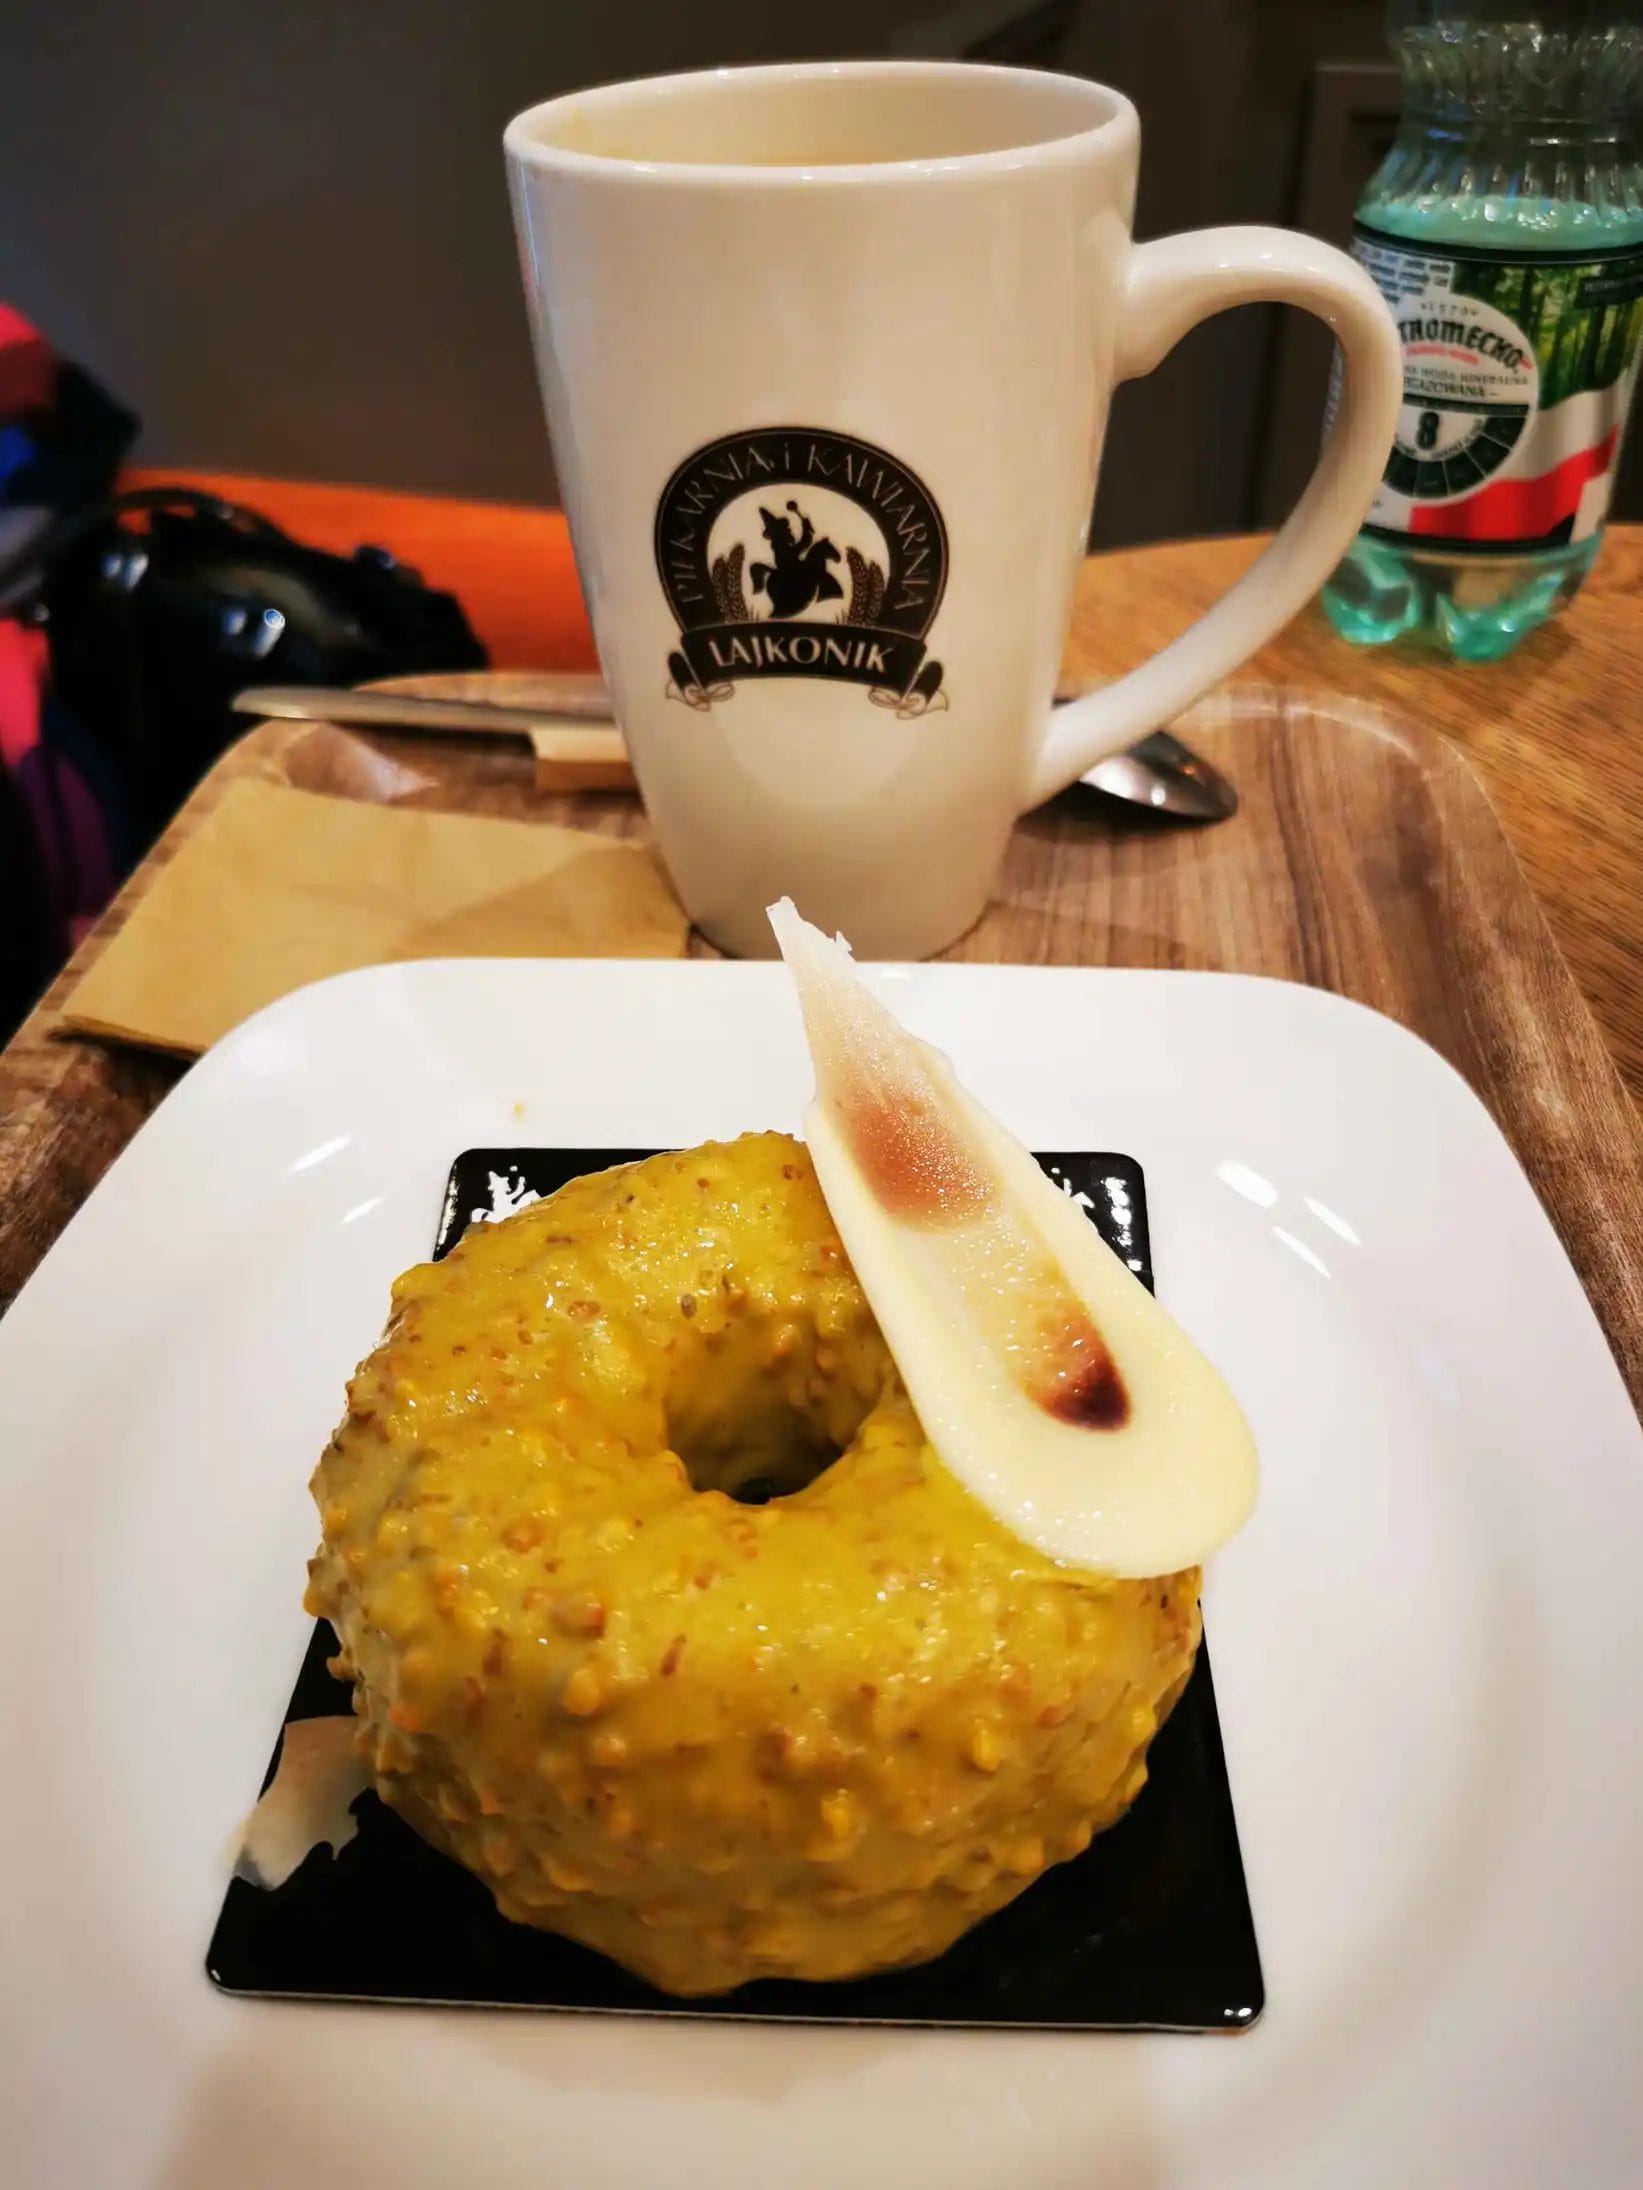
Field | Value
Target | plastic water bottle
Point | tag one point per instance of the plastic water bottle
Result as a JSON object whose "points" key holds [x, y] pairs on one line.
{"points": [[1505, 229]]}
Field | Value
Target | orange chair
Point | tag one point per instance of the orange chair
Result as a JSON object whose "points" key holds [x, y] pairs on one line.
{"points": [[510, 568]]}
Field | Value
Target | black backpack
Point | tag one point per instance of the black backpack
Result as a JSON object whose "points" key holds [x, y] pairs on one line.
{"points": [[153, 631]]}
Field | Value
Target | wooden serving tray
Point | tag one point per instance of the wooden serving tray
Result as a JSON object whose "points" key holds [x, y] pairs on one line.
{"points": [[1365, 859]]}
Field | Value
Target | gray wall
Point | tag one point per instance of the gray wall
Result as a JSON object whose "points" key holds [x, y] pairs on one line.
{"points": [[281, 233]]}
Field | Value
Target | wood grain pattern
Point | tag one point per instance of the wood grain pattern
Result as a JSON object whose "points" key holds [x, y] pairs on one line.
{"points": [[1554, 733], [1365, 859]]}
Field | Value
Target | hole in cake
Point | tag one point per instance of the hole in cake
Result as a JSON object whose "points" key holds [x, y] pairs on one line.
{"points": [[760, 1406], [755, 1462]]}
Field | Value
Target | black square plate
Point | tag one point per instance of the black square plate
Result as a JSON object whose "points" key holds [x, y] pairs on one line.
{"points": [[1150, 1929]]}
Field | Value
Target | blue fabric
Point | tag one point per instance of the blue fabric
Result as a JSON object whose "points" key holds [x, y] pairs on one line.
{"points": [[17, 452]]}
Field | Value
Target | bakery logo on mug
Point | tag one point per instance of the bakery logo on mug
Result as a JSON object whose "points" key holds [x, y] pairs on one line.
{"points": [[785, 552]]}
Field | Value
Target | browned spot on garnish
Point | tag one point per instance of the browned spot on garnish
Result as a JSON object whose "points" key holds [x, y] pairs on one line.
{"points": [[687, 1305], [917, 1162], [1078, 1381], [674, 1652]]}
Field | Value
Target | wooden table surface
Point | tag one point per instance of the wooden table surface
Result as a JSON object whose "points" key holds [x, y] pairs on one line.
{"points": [[1554, 733], [1365, 860]]}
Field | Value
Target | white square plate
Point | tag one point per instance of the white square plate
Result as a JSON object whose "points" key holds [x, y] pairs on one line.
{"points": [[1426, 1642]]}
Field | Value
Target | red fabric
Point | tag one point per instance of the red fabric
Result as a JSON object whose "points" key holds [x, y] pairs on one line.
{"points": [[1521, 509], [69, 825], [28, 371], [22, 678]]}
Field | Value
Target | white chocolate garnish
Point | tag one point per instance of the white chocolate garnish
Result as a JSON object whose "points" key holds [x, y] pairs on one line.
{"points": [[1044, 1373]]}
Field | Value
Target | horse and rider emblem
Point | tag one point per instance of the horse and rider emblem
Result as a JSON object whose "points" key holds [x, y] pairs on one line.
{"points": [[788, 552], [799, 575]]}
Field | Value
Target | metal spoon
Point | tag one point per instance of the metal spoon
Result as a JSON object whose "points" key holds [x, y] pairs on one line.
{"points": [[1166, 777]]}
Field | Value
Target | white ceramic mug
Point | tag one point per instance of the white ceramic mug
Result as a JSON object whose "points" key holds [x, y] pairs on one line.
{"points": [[826, 351]]}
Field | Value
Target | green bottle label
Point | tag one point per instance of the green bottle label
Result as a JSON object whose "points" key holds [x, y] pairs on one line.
{"points": [[1517, 371]]}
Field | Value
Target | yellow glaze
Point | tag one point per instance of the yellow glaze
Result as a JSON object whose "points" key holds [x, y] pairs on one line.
{"points": [[714, 1740]]}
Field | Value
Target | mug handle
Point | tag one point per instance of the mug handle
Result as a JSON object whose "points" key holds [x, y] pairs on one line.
{"points": [[1172, 285]]}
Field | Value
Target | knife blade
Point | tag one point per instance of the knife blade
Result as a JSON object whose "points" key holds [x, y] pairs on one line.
{"points": [[577, 747], [586, 699]]}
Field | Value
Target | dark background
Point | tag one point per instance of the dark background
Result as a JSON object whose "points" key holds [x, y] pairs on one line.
{"points": [[282, 235]]}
